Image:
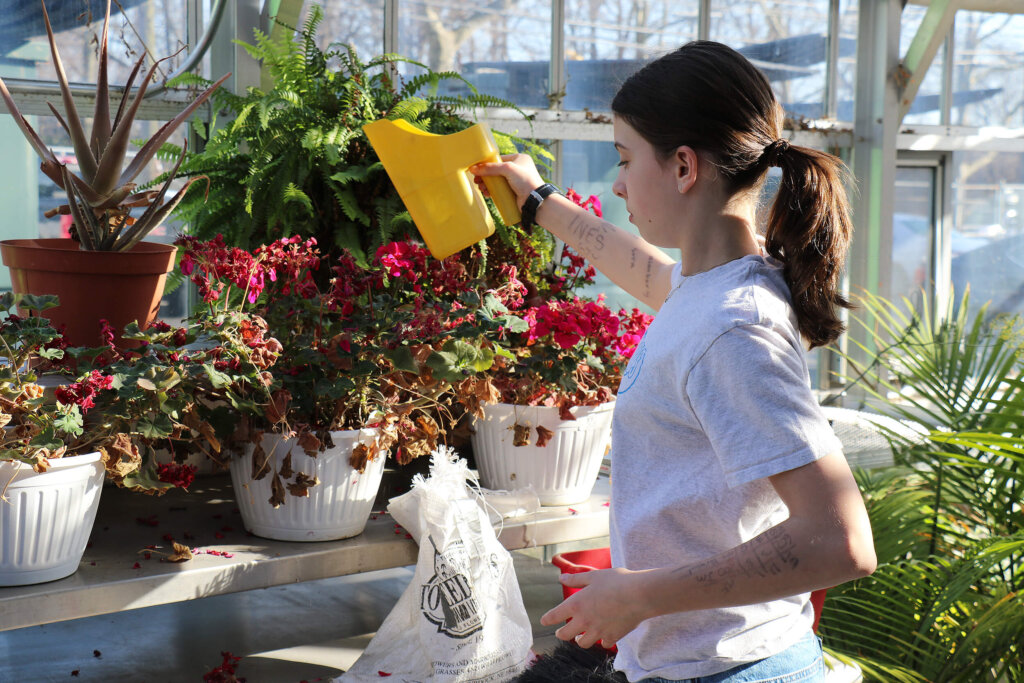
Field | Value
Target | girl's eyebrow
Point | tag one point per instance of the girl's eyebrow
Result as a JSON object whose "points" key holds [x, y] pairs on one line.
{"points": [[619, 145]]}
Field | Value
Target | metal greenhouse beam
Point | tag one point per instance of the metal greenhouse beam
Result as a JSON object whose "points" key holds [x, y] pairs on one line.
{"points": [[876, 109], [241, 17], [935, 26], [276, 18]]}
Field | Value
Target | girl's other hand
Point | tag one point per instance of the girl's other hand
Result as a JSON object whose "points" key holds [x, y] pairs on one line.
{"points": [[518, 169], [609, 606]]}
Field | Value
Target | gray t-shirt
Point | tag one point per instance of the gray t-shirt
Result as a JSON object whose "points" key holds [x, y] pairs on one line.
{"points": [[715, 399]]}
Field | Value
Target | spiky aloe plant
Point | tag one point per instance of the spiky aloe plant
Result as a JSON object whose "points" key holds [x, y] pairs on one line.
{"points": [[101, 199]]}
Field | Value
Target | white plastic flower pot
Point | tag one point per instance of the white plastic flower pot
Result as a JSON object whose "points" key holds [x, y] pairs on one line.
{"points": [[338, 507], [47, 517], [563, 471]]}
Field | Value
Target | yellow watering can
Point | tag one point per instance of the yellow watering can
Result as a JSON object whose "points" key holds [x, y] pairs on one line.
{"points": [[431, 174]]}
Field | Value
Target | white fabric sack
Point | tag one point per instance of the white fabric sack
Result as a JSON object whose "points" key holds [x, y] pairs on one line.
{"points": [[462, 618]]}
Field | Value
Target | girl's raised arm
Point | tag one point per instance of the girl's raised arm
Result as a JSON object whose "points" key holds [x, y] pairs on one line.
{"points": [[637, 266]]}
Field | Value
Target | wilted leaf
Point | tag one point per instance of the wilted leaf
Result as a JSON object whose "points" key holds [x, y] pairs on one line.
{"points": [[121, 456], [543, 436], [260, 462], [413, 449], [276, 410], [182, 553], [277, 492], [520, 435], [473, 392], [41, 463], [361, 455], [303, 482], [206, 429], [286, 466], [146, 383], [428, 426], [309, 443]]}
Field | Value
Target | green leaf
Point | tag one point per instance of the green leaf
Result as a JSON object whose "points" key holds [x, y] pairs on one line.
{"points": [[158, 426], [69, 421], [38, 302], [513, 323], [47, 439], [458, 357], [292, 194], [217, 378], [401, 357]]}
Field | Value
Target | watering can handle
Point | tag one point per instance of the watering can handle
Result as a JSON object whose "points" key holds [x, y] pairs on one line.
{"points": [[503, 196]]}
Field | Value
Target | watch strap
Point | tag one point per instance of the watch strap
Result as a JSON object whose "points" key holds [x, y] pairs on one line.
{"points": [[533, 202]]}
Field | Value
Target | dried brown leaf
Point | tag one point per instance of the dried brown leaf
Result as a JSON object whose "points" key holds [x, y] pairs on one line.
{"points": [[122, 456], [414, 449], [520, 435], [260, 462], [543, 436], [41, 464], [361, 455], [277, 408], [309, 443], [286, 470], [303, 482], [182, 553], [277, 492]]}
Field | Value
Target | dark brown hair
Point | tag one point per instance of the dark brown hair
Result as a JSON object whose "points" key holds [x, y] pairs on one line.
{"points": [[709, 97]]}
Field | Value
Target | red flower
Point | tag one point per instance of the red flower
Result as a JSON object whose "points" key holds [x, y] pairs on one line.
{"points": [[178, 474]]}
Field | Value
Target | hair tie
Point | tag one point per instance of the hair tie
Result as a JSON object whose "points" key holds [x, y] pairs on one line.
{"points": [[773, 152]]}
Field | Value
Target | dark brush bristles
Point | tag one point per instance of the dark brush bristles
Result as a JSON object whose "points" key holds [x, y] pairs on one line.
{"points": [[570, 663]]}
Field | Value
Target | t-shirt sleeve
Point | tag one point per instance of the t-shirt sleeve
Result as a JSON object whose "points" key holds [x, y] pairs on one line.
{"points": [[750, 393]]}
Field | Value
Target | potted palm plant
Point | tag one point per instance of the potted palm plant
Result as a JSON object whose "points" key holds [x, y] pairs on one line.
{"points": [[107, 270], [945, 603]]}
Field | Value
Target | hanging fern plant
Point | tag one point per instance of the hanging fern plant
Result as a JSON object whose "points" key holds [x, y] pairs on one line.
{"points": [[294, 159]]}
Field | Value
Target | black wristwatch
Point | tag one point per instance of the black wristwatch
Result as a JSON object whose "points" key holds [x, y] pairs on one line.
{"points": [[533, 202]]}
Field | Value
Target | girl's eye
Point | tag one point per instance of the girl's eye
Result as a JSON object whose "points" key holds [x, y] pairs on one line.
{"points": [[621, 163]]}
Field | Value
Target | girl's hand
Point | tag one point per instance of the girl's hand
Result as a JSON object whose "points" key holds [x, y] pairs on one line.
{"points": [[518, 169], [609, 606]]}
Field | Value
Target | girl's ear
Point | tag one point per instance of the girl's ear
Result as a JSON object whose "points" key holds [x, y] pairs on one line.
{"points": [[686, 164]]}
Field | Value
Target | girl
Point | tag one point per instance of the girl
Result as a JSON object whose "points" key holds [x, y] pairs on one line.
{"points": [[731, 498]]}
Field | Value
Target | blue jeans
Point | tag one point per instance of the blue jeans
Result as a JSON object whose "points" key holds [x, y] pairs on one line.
{"points": [[800, 663]]}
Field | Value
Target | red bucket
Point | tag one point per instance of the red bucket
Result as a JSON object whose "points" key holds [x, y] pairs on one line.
{"points": [[581, 561]]}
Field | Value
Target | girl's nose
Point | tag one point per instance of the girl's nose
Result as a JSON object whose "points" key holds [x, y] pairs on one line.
{"points": [[619, 188]]}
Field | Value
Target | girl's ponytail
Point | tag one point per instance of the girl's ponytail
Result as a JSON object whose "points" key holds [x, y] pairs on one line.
{"points": [[710, 97], [809, 230]]}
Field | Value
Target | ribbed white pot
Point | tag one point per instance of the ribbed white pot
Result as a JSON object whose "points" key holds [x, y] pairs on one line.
{"points": [[47, 518], [564, 471], [338, 507]]}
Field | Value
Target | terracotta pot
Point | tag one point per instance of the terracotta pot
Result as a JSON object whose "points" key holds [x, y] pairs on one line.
{"points": [[120, 287]]}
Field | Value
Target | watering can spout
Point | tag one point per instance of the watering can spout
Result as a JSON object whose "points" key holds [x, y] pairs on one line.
{"points": [[431, 174]]}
